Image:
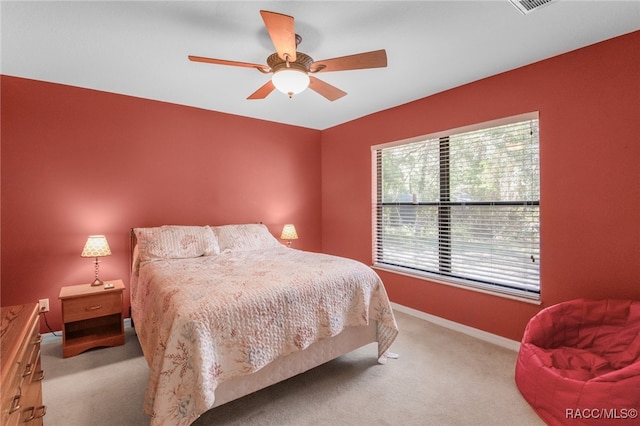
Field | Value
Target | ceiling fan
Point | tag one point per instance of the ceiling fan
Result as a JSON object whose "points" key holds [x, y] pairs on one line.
{"points": [[292, 70]]}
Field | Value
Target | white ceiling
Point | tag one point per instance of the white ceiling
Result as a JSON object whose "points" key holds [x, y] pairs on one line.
{"points": [[140, 48]]}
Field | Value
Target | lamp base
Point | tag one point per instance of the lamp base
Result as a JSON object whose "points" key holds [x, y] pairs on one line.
{"points": [[97, 282]]}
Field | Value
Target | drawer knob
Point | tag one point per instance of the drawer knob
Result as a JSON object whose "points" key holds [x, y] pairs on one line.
{"points": [[15, 404], [39, 376], [36, 413], [94, 307], [28, 370]]}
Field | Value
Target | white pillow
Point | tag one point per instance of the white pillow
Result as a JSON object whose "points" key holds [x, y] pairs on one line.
{"points": [[254, 236], [176, 242]]}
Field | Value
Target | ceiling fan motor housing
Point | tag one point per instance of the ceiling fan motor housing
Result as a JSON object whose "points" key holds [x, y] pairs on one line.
{"points": [[303, 62]]}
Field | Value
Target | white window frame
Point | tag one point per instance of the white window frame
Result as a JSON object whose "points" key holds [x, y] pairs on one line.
{"points": [[527, 293]]}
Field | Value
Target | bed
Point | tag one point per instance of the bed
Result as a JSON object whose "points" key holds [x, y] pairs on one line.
{"points": [[224, 311]]}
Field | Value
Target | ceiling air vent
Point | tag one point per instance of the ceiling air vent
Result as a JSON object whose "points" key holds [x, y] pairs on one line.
{"points": [[528, 6]]}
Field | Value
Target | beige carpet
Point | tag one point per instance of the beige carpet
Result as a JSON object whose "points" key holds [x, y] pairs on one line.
{"points": [[441, 378]]}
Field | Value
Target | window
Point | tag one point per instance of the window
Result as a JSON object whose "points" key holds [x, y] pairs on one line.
{"points": [[463, 207]]}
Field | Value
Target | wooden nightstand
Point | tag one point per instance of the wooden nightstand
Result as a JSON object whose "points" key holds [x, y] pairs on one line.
{"points": [[91, 317]]}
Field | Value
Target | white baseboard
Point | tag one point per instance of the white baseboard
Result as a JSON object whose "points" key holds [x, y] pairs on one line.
{"points": [[465, 329], [51, 337]]}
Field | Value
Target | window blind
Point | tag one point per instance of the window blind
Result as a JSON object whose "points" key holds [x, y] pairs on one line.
{"points": [[463, 206]]}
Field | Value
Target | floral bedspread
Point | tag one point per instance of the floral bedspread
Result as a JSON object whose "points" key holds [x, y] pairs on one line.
{"points": [[203, 320]]}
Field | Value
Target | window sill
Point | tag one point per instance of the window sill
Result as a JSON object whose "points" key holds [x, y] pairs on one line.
{"points": [[513, 295]]}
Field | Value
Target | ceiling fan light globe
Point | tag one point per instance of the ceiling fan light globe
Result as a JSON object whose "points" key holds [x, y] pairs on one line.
{"points": [[290, 81]]}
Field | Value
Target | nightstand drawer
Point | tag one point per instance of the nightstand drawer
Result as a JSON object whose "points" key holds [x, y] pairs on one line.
{"points": [[92, 306]]}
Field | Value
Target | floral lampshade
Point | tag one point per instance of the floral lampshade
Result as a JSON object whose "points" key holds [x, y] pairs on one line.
{"points": [[96, 246], [289, 233]]}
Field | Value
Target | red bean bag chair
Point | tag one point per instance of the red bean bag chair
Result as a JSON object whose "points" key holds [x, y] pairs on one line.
{"points": [[579, 363]]}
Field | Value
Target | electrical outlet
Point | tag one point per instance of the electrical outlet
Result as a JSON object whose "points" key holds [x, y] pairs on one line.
{"points": [[44, 305]]}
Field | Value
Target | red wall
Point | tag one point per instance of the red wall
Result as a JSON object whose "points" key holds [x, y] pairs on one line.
{"points": [[589, 104], [77, 162]]}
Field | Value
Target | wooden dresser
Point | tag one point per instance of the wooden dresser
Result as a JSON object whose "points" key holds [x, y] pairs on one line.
{"points": [[21, 371]]}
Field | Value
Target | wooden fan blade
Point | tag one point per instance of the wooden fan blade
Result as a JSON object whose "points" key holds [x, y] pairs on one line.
{"points": [[325, 89], [282, 32], [225, 62], [373, 59], [263, 91]]}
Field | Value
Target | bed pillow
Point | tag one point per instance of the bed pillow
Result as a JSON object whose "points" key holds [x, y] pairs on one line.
{"points": [[254, 236], [176, 242]]}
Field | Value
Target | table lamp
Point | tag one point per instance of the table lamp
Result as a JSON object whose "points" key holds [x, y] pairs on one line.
{"points": [[289, 233], [96, 246]]}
